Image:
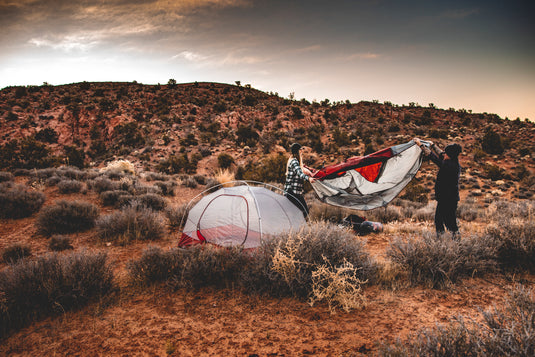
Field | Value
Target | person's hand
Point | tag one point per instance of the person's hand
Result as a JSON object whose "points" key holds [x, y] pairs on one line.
{"points": [[311, 179], [417, 141]]}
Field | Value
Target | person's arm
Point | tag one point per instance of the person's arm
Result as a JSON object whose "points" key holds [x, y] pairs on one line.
{"points": [[423, 147]]}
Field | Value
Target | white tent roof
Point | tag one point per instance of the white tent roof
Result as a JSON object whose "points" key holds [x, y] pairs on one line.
{"points": [[241, 216]]}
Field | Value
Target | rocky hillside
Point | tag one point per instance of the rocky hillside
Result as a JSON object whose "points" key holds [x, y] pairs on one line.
{"points": [[202, 127]]}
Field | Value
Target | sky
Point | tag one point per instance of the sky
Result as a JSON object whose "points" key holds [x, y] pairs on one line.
{"points": [[473, 55]]}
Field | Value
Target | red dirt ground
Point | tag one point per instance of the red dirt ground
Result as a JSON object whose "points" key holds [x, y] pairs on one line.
{"points": [[158, 322]]}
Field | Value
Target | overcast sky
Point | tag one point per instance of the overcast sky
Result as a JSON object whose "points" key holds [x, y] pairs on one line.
{"points": [[476, 55]]}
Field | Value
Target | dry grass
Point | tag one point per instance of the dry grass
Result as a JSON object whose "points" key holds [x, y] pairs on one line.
{"points": [[339, 286], [225, 177]]}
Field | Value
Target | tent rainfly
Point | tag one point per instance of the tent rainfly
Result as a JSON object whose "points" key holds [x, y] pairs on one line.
{"points": [[372, 181], [240, 216]]}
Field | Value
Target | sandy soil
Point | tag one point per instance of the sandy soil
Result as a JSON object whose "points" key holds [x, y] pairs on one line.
{"points": [[158, 322]]}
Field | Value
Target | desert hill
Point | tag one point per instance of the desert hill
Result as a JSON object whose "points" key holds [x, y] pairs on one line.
{"points": [[185, 128], [89, 264]]}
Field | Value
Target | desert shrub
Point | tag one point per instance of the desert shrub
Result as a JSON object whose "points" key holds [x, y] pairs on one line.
{"points": [[437, 261], [385, 214], [285, 265], [270, 169], [17, 202], [468, 210], [190, 182], [201, 179], [69, 186], [415, 192], [101, 184], [209, 265], [119, 167], [112, 198], [166, 187], [59, 243], [321, 262], [425, 213], [51, 284], [156, 176], [324, 212], [513, 240], [504, 331], [177, 215], [225, 160], [52, 181], [15, 252], [494, 172], [492, 142], [66, 217], [338, 286], [156, 265], [150, 200], [132, 223], [6, 176]]}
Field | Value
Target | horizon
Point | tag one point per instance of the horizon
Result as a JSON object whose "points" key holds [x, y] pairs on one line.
{"points": [[473, 55]]}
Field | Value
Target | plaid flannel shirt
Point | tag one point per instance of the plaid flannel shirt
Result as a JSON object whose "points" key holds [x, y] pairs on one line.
{"points": [[295, 178]]}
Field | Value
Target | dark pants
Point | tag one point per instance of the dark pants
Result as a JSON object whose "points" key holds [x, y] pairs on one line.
{"points": [[299, 201], [446, 215]]}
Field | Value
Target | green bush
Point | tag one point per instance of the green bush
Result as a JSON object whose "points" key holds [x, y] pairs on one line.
{"points": [[15, 252], [132, 223], [49, 285], [16, 202], [66, 217]]}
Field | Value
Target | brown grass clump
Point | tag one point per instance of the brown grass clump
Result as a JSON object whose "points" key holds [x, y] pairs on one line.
{"points": [[225, 177]]}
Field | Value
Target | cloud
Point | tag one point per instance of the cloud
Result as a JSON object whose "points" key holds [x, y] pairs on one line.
{"points": [[190, 56], [363, 56]]}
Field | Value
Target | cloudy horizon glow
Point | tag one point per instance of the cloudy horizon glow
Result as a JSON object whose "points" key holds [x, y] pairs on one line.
{"points": [[477, 55]]}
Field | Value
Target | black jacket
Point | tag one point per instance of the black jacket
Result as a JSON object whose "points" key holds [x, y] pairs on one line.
{"points": [[447, 183]]}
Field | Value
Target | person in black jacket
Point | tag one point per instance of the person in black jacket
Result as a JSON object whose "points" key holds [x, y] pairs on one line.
{"points": [[446, 185]]}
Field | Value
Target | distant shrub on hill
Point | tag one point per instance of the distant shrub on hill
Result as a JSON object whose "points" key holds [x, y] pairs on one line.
{"points": [[49, 285], [225, 160], [17, 202], [492, 142], [66, 217]]}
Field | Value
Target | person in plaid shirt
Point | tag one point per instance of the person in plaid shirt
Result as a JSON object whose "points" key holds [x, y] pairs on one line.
{"points": [[296, 175]]}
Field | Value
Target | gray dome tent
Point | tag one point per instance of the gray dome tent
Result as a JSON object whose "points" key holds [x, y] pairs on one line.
{"points": [[242, 215]]}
